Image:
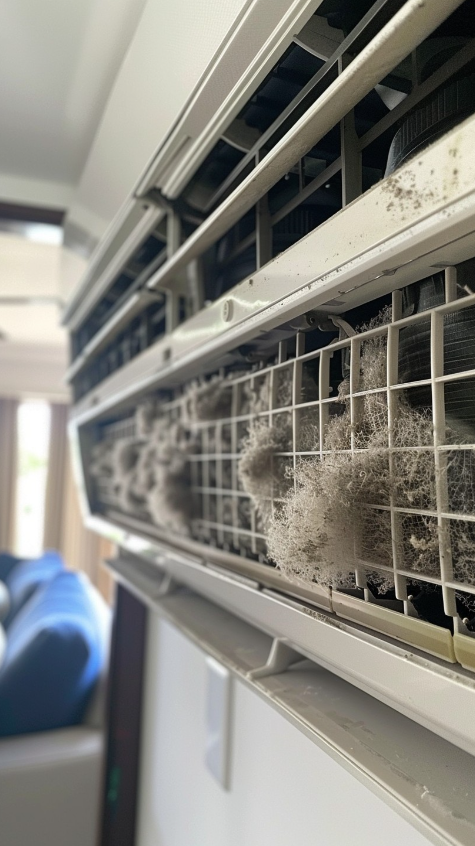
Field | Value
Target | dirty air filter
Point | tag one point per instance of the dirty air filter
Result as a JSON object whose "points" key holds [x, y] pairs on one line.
{"points": [[365, 486]]}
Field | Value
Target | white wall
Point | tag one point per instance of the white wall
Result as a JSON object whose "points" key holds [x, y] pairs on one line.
{"points": [[284, 789]]}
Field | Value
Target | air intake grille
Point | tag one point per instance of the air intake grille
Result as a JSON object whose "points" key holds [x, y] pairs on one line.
{"points": [[350, 464]]}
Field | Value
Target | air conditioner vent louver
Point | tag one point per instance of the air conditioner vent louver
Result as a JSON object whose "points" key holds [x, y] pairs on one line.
{"points": [[134, 273], [349, 159]]}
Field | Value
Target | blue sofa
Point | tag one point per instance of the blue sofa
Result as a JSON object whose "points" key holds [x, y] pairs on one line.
{"points": [[52, 682]]}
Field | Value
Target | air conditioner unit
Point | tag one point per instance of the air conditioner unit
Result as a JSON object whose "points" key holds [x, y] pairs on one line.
{"points": [[274, 355]]}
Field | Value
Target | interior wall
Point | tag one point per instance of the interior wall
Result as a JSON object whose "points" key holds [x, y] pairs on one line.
{"points": [[283, 788]]}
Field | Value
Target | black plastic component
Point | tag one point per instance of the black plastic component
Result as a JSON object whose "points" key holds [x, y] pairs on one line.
{"points": [[441, 112]]}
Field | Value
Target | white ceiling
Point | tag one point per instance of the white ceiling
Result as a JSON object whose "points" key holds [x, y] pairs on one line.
{"points": [[38, 324], [30, 278], [33, 344], [58, 61]]}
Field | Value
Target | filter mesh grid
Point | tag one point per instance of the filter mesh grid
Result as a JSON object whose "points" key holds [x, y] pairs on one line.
{"points": [[430, 526]]}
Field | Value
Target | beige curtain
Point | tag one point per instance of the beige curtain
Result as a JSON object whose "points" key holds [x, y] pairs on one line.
{"points": [[64, 528], [55, 504], [82, 549], [8, 470]]}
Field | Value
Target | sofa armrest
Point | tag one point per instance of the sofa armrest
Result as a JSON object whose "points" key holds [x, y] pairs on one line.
{"points": [[50, 786]]}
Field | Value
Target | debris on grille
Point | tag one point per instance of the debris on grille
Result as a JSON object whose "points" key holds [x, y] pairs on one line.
{"points": [[336, 517], [365, 482]]}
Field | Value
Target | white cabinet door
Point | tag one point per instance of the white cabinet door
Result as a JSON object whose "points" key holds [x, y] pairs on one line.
{"points": [[283, 789]]}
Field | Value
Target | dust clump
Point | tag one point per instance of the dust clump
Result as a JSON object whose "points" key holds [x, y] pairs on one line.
{"points": [[145, 415], [336, 516], [259, 471], [209, 400], [168, 498]]}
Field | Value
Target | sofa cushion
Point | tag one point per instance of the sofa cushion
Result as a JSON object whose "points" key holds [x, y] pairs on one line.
{"points": [[7, 563], [24, 579], [55, 652]]}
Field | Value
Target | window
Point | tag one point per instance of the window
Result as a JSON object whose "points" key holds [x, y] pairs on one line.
{"points": [[33, 447]]}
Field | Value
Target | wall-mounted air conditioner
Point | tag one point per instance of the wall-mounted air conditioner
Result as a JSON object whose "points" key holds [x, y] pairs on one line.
{"points": [[274, 368]]}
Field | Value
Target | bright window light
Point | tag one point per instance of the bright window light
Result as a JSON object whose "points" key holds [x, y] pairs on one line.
{"points": [[33, 447]]}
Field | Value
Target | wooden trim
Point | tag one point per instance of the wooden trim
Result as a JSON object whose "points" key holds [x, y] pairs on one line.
{"points": [[124, 719], [31, 214]]}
